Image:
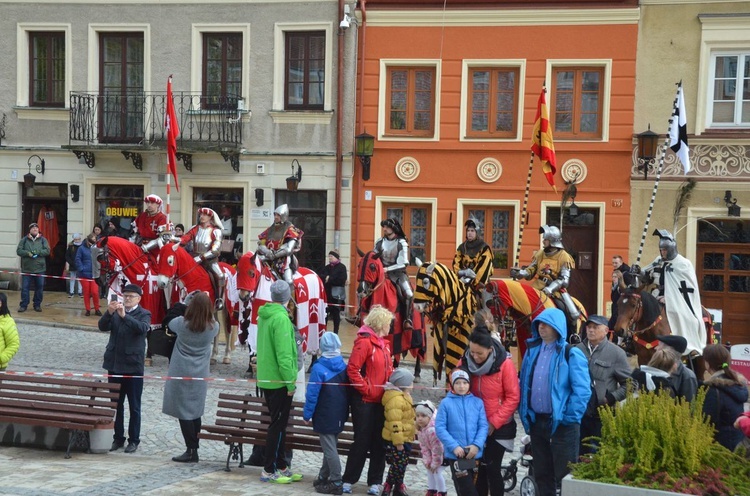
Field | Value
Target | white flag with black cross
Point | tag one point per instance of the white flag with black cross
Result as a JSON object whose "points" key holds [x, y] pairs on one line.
{"points": [[678, 140]]}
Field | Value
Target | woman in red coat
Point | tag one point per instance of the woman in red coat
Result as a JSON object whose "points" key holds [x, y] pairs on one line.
{"points": [[493, 379], [370, 366]]}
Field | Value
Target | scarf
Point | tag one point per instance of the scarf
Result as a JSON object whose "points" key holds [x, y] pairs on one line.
{"points": [[483, 369], [331, 354]]}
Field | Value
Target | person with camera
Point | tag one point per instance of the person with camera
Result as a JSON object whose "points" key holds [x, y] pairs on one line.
{"points": [[334, 281], [461, 425], [33, 250]]}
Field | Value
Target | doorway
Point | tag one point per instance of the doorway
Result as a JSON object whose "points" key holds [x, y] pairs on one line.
{"points": [[308, 211], [580, 235], [46, 204]]}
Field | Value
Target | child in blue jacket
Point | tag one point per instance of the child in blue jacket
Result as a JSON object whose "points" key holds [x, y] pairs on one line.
{"points": [[327, 404], [461, 425]]}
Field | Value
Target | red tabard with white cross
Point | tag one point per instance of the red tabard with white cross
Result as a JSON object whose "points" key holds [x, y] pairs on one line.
{"points": [[148, 225]]}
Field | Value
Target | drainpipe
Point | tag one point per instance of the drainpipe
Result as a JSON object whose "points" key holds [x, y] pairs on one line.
{"points": [[339, 131], [359, 115]]}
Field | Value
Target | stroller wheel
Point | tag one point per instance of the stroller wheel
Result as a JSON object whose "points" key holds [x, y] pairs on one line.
{"points": [[529, 487], [510, 479]]}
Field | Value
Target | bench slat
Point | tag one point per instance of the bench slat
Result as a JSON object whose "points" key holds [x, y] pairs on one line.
{"points": [[61, 381], [69, 391], [54, 416], [72, 400], [51, 404]]}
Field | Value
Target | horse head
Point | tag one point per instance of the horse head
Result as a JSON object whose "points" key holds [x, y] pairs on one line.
{"points": [[169, 257], [430, 288], [370, 274], [628, 308], [249, 272]]}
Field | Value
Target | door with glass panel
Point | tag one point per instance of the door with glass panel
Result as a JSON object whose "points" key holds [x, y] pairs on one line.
{"points": [[121, 98]]}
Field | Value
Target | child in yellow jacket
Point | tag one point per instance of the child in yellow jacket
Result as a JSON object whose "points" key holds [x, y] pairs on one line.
{"points": [[398, 431]]}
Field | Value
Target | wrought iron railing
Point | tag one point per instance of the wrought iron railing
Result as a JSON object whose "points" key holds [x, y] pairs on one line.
{"points": [[138, 118]]}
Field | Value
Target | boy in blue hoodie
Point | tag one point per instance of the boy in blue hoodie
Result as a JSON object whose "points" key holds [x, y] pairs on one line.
{"points": [[327, 404], [555, 390], [461, 425]]}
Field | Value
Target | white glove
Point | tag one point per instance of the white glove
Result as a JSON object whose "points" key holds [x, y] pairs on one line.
{"points": [[197, 259], [467, 273], [175, 246]]}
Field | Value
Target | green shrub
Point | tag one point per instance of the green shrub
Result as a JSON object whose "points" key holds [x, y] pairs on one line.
{"points": [[656, 442]]}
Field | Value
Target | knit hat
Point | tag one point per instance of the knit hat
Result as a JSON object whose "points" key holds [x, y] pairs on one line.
{"points": [[33, 224], [459, 374], [280, 292], [401, 378], [329, 342], [425, 407], [677, 342], [335, 254], [132, 288]]}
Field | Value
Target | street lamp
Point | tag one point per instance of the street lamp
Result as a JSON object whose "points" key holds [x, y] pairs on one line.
{"points": [[364, 147], [293, 181], [648, 141], [29, 179]]}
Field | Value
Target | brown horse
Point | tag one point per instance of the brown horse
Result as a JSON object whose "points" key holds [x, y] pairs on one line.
{"points": [[641, 318]]}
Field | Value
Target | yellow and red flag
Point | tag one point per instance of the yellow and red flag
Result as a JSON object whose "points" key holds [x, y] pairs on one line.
{"points": [[173, 130], [541, 140]]}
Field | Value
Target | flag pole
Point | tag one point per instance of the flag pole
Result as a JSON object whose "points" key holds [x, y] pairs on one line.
{"points": [[524, 213], [658, 177]]}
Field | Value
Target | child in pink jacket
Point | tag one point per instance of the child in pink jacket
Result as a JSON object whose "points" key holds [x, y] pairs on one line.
{"points": [[432, 448]]}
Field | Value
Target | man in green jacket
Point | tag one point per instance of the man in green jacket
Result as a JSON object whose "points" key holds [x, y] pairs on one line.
{"points": [[33, 250], [277, 375]]}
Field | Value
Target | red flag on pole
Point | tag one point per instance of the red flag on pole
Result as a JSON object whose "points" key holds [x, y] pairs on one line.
{"points": [[172, 129], [541, 140]]}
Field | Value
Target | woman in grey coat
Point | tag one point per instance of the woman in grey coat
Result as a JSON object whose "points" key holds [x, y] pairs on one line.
{"points": [[186, 400]]}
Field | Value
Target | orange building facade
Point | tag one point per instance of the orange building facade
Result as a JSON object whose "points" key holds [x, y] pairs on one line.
{"points": [[451, 96]]}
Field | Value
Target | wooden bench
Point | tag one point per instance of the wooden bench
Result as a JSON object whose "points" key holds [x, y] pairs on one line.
{"points": [[78, 405], [243, 419]]}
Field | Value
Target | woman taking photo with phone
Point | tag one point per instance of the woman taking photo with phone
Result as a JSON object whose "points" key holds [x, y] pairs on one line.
{"points": [[186, 399]]}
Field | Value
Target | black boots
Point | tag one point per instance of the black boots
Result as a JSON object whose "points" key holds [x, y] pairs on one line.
{"points": [[189, 456]]}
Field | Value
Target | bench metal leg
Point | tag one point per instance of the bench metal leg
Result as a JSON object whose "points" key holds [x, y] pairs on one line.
{"points": [[77, 438], [235, 453]]}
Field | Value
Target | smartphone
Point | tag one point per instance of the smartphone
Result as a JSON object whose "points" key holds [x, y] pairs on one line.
{"points": [[113, 298]]}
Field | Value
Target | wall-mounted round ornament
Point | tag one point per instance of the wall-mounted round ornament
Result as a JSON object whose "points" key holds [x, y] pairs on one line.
{"points": [[407, 169], [574, 170], [489, 170]]}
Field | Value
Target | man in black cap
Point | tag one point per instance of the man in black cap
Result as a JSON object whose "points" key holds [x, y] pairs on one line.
{"points": [[127, 323], [334, 279], [33, 250], [609, 370], [684, 381]]}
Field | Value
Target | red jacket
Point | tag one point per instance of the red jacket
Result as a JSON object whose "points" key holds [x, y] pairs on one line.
{"points": [[498, 389], [370, 365], [745, 424]]}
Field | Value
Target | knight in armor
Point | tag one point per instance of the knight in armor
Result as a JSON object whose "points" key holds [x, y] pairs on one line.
{"points": [[394, 254], [279, 243], [676, 287], [149, 225], [206, 237], [550, 269], [473, 259]]}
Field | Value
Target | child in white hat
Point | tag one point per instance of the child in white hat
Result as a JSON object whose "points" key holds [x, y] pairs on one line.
{"points": [[431, 447]]}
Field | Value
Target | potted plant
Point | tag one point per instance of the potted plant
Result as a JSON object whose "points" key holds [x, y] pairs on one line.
{"points": [[657, 443]]}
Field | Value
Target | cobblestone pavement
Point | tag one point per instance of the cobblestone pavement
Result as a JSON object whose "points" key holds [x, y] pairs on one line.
{"points": [[149, 471]]}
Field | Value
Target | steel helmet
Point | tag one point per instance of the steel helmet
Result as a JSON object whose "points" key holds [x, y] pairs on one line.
{"points": [[667, 242], [552, 234], [283, 211]]}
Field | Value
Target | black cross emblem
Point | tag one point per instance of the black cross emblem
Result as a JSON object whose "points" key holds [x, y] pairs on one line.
{"points": [[684, 289], [660, 271]]}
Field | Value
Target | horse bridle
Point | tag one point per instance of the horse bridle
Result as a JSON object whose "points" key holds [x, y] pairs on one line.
{"points": [[637, 316]]}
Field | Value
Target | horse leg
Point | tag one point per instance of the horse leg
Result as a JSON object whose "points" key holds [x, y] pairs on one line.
{"points": [[226, 327], [215, 350], [417, 370], [698, 365]]}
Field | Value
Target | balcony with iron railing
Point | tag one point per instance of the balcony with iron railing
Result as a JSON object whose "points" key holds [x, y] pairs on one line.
{"points": [[136, 120]]}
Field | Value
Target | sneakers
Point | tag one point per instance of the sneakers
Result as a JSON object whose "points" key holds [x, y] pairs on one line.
{"points": [[88, 313], [288, 473], [275, 478], [330, 487], [347, 488], [319, 481], [70, 295], [375, 490]]}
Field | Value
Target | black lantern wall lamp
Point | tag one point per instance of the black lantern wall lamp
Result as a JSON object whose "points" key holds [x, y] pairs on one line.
{"points": [[733, 210], [29, 179], [364, 145], [571, 192], [292, 182], [648, 142]]}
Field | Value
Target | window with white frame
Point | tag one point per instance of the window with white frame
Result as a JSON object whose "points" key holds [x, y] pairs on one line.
{"points": [[44, 67], [303, 68], [729, 105]]}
